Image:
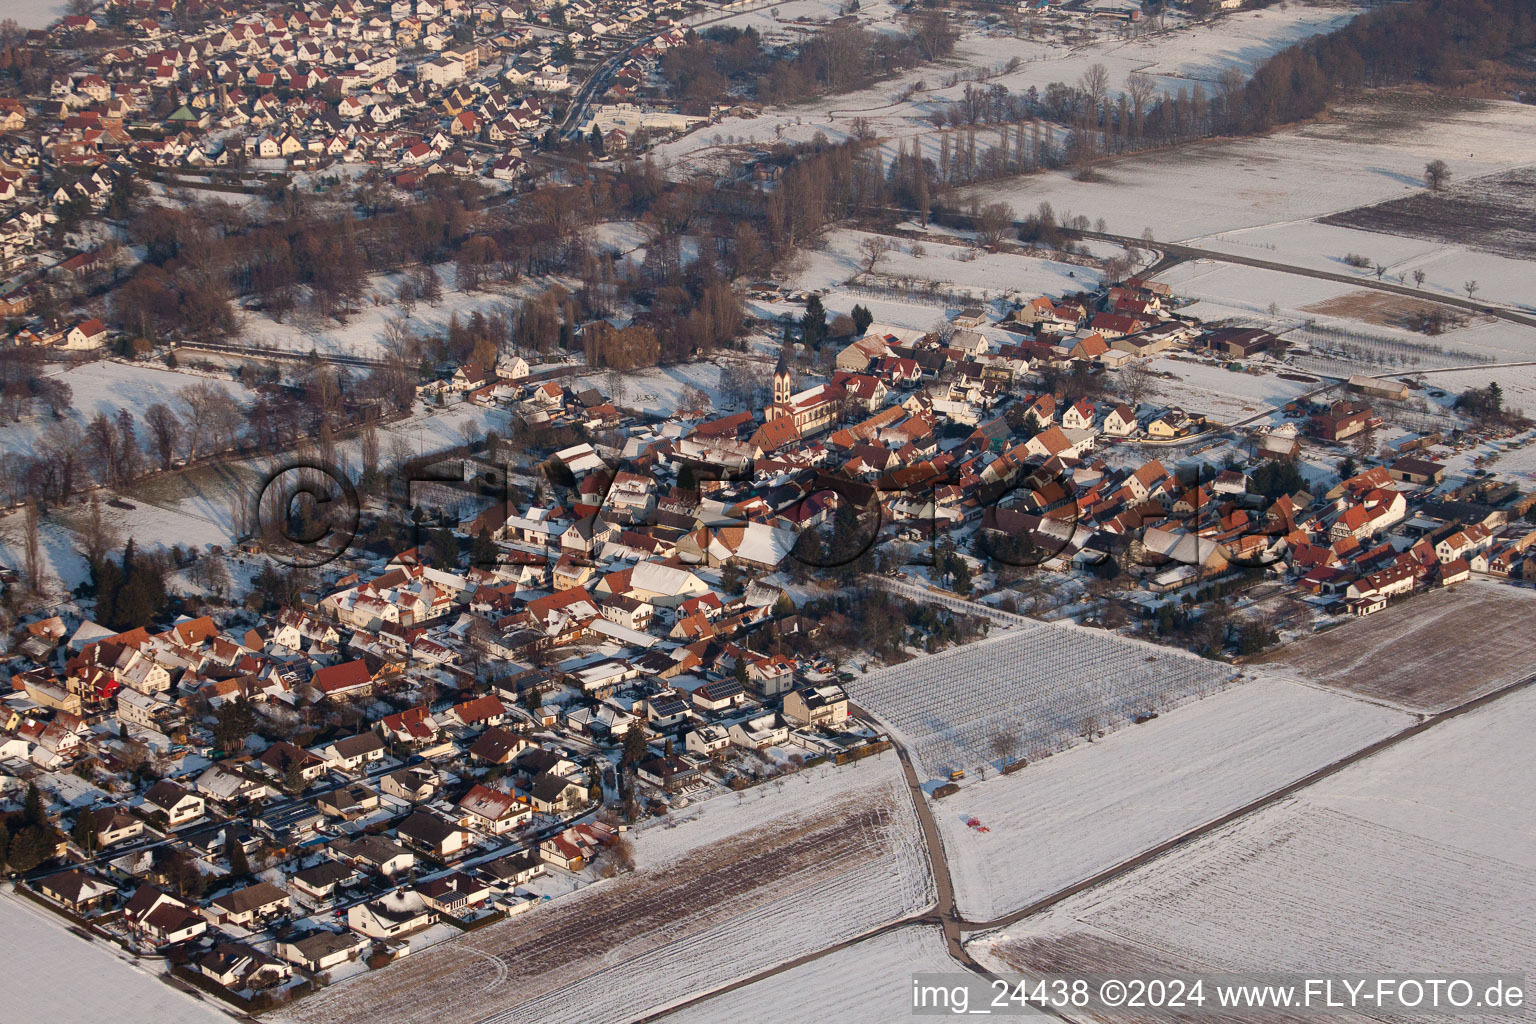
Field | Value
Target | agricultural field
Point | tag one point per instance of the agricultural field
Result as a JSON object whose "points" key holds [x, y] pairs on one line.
{"points": [[1027, 692], [866, 983], [769, 876], [1428, 654], [1055, 823], [1325, 246], [1495, 213], [61, 977], [1364, 153], [1301, 885]]}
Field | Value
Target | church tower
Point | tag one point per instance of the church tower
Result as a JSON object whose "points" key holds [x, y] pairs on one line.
{"points": [[781, 384]]}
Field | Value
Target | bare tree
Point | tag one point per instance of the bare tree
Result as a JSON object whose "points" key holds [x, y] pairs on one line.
{"points": [[1135, 379], [1471, 288], [164, 432], [1006, 744], [97, 536], [370, 450], [1418, 278], [993, 223], [872, 249], [196, 402], [31, 550], [1095, 86], [1436, 174]]}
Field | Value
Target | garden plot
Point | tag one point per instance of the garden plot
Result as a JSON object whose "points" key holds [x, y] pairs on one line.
{"points": [[810, 864], [1055, 823], [1421, 854], [56, 976], [1031, 690], [1428, 654], [866, 983]]}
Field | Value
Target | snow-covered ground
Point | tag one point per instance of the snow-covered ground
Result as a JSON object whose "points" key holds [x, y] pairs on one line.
{"points": [[1446, 267], [1361, 155], [1224, 395], [36, 13], [56, 976], [658, 390], [961, 268], [1084, 810], [105, 387], [869, 982], [1177, 58], [1040, 686], [842, 849], [1340, 877], [363, 333], [198, 508]]}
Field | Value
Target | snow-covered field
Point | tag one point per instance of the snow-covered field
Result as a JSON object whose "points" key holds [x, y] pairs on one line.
{"points": [[748, 882], [36, 13], [866, 983], [105, 387], [1363, 154], [56, 976], [1224, 395], [1041, 686], [363, 333], [658, 390], [951, 267], [1098, 804], [1177, 58], [1446, 267], [1422, 854]]}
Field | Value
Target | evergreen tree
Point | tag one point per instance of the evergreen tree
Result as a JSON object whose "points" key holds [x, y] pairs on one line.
{"points": [[84, 832], [234, 853], [134, 608], [634, 746], [233, 721], [34, 811], [862, 318], [483, 553], [108, 581], [813, 324], [293, 776], [29, 848]]}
